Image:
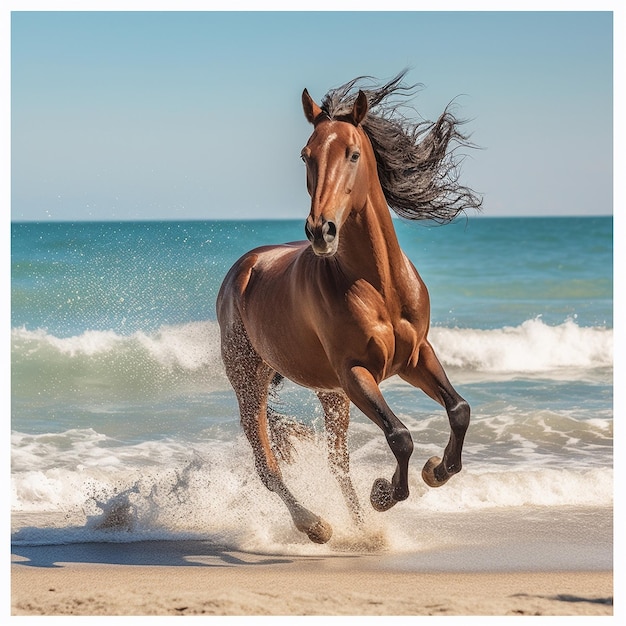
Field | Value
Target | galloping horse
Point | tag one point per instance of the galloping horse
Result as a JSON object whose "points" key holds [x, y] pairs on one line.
{"points": [[346, 309]]}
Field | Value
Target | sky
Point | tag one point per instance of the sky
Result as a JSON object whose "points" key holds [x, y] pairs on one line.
{"points": [[197, 115]]}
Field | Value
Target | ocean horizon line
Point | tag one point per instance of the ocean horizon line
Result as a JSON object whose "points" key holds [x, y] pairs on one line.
{"points": [[298, 219]]}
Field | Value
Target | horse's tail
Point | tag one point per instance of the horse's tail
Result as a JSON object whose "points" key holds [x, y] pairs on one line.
{"points": [[283, 428]]}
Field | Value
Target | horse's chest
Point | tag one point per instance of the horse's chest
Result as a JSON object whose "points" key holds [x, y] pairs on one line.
{"points": [[381, 324]]}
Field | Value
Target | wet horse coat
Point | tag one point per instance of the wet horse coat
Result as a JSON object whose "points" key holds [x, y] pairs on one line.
{"points": [[341, 312]]}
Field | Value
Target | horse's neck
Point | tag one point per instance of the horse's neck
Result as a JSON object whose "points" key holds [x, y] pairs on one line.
{"points": [[372, 241], [372, 248]]}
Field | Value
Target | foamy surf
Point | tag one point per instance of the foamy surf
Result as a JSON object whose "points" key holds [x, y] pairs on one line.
{"points": [[531, 347], [211, 492]]}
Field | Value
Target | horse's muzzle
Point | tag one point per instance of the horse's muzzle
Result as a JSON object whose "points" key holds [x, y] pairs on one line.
{"points": [[323, 236]]}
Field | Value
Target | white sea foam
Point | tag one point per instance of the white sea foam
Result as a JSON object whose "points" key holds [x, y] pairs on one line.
{"points": [[211, 491], [531, 347], [190, 346]]}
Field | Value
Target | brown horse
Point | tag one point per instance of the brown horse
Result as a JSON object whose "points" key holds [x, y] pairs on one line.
{"points": [[346, 309]]}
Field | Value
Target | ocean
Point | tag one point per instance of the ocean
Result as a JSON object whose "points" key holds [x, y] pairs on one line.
{"points": [[124, 428]]}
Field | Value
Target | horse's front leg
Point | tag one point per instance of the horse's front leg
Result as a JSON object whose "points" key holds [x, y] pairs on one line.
{"points": [[362, 389], [337, 417], [429, 376]]}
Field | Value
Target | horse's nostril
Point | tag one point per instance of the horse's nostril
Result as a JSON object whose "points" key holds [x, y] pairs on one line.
{"points": [[329, 231]]}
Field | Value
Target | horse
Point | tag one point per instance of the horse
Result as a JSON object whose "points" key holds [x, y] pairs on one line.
{"points": [[345, 309]]}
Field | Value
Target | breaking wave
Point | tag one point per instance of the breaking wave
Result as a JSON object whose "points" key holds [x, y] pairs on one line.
{"points": [[187, 356]]}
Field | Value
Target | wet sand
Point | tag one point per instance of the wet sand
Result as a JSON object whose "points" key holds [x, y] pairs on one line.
{"points": [[198, 578]]}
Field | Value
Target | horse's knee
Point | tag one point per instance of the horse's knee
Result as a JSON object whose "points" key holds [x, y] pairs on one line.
{"points": [[459, 416], [401, 443]]}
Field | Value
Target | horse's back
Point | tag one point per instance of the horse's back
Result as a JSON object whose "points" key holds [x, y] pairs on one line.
{"points": [[252, 265], [259, 292]]}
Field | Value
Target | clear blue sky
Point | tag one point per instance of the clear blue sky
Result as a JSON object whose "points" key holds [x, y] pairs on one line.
{"points": [[118, 115]]}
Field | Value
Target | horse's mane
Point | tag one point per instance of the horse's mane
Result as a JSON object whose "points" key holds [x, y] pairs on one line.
{"points": [[417, 161]]}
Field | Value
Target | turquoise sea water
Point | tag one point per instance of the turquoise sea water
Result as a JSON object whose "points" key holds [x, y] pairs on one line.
{"points": [[118, 390]]}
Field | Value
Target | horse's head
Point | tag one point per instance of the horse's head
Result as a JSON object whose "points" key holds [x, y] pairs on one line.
{"points": [[336, 173]]}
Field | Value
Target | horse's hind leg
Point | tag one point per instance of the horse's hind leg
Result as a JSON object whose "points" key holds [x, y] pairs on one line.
{"points": [[250, 378], [337, 417], [429, 376]]}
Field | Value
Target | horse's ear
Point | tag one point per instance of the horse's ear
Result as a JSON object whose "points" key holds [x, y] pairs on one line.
{"points": [[359, 110], [311, 110]]}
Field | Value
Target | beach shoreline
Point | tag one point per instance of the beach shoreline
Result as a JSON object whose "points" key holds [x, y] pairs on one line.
{"points": [[199, 577], [228, 583], [529, 561]]}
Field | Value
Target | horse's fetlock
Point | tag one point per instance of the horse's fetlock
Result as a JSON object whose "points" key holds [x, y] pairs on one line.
{"points": [[453, 468], [401, 493]]}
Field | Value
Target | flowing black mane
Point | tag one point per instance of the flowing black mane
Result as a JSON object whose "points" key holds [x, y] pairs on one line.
{"points": [[417, 161]]}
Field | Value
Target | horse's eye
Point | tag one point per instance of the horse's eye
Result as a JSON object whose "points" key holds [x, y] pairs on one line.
{"points": [[355, 157]]}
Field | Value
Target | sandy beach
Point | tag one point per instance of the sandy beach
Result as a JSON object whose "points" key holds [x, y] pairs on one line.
{"points": [[302, 589], [196, 578]]}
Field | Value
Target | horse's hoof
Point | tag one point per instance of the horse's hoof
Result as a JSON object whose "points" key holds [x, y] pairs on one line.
{"points": [[381, 496], [320, 532], [428, 473]]}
